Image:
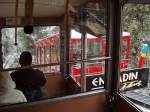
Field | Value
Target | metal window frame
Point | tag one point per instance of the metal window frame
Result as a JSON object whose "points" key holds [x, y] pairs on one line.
{"points": [[113, 11]]}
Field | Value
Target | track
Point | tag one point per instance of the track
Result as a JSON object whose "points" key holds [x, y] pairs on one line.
{"points": [[139, 99]]}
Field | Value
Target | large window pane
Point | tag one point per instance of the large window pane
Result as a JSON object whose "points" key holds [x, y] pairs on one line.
{"points": [[135, 76]]}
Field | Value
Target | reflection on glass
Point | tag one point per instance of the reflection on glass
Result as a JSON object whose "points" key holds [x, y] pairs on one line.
{"points": [[93, 65], [136, 76], [94, 48]]}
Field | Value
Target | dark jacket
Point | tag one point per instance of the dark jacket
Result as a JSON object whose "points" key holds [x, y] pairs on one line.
{"points": [[29, 81]]}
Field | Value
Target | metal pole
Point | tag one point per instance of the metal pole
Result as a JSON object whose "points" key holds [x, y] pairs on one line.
{"points": [[37, 55], [115, 34], [16, 20], [113, 49], [1, 53], [44, 53], [107, 52], [62, 50], [50, 57], [83, 63], [83, 50], [40, 56], [67, 38]]}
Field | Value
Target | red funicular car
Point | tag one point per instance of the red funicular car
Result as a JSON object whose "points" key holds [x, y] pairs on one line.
{"points": [[95, 49], [94, 62]]}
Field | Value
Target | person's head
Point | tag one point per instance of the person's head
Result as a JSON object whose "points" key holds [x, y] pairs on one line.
{"points": [[25, 58]]}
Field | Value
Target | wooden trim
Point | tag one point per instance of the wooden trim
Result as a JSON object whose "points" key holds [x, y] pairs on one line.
{"points": [[37, 21], [29, 11], [53, 100]]}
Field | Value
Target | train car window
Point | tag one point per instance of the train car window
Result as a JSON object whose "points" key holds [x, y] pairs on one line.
{"points": [[87, 46], [134, 79], [44, 46], [47, 44], [43, 43]]}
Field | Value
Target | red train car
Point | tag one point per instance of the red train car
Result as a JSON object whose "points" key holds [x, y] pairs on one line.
{"points": [[95, 50]]}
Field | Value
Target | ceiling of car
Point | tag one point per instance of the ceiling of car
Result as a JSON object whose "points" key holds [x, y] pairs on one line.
{"points": [[41, 8]]}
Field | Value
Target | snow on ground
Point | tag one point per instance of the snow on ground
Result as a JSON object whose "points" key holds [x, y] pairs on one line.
{"points": [[144, 109]]}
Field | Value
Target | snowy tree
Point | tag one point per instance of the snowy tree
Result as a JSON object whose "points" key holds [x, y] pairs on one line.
{"points": [[24, 42]]}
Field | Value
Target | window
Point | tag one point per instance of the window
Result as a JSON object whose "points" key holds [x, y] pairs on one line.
{"points": [[43, 44], [88, 47], [135, 78], [47, 45]]}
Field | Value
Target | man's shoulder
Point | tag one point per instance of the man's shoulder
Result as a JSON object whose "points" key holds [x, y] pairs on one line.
{"points": [[38, 71], [15, 75], [14, 72], [30, 71]]}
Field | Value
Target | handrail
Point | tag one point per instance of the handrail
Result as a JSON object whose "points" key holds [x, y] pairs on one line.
{"points": [[54, 64], [34, 66], [94, 59], [52, 73], [74, 80]]}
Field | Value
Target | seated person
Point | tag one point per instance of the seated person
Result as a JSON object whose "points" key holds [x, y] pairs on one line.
{"points": [[27, 79], [8, 93]]}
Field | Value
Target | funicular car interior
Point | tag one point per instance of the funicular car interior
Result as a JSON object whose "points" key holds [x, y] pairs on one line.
{"points": [[62, 93]]}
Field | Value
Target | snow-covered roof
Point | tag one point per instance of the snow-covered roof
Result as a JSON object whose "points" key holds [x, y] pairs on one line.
{"points": [[126, 34], [77, 35]]}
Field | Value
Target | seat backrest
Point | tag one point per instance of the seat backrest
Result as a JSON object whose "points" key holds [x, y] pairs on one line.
{"points": [[94, 102], [55, 86]]}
